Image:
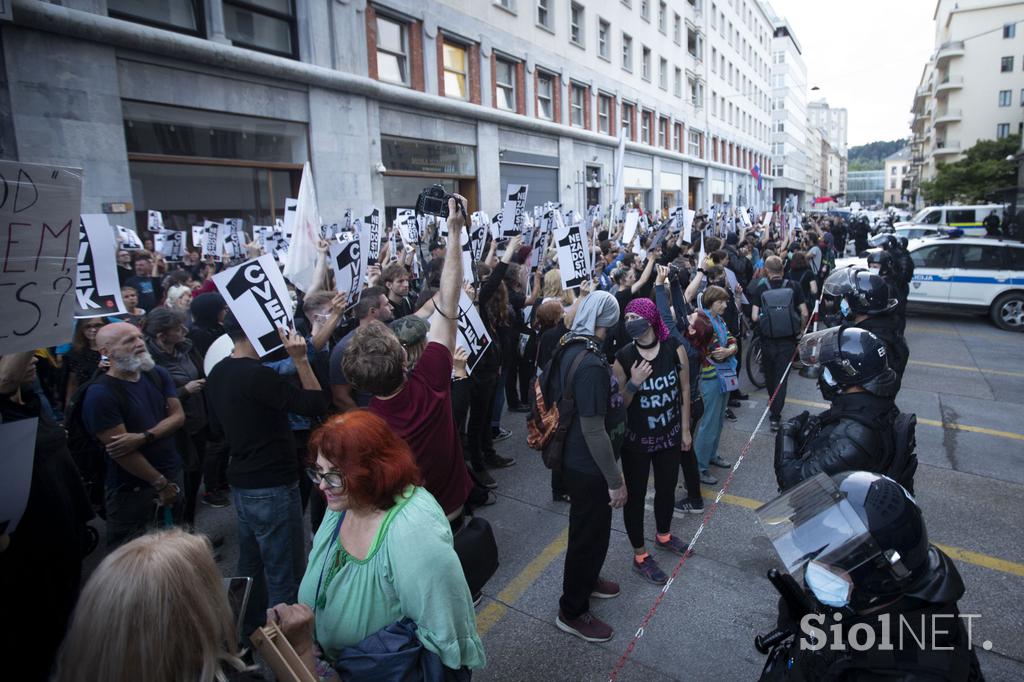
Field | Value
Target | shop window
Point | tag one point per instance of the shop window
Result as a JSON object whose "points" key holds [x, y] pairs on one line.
{"points": [[263, 25], [184, 16], [456, 69], [392, 51]]}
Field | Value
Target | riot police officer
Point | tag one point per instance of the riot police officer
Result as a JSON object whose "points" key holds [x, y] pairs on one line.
{"points": [[860, 541], [896, 267], [862, 429], [859, 297]]}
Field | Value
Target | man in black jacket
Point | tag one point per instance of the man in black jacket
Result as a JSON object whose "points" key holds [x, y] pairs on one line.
{"points": [[856, 432]]}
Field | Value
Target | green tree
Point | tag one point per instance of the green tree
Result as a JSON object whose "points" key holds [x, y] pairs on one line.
{"points": [[983, 169]]}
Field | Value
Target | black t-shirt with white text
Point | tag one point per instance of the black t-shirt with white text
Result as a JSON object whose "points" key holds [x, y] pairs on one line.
{"points": [[654, 416]]}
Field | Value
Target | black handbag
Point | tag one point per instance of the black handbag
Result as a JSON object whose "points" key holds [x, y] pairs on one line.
{"points": [[478, 552]]}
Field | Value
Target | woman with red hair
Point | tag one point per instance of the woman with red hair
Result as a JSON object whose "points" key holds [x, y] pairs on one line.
{"points": [[383, 552]]}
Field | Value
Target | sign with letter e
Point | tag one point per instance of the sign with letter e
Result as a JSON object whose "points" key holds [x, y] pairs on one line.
{"points": [[258, 297]]}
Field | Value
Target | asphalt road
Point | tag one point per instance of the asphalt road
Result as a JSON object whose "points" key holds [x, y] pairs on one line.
{"points": [[966, 384]]}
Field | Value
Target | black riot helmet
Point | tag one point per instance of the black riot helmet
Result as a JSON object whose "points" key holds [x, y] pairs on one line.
{"points": [[859, 537], [865, 292], [848, 356], [885, 262], [883, 240]]}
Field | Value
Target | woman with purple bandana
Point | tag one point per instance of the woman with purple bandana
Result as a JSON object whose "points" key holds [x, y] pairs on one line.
{"points": [[654, 372]]}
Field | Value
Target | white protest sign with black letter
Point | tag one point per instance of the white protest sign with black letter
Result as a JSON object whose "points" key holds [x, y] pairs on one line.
{"points": [[513, 209], [347, 263], [155, 221], [408, 228], [212, 240], [97, 287], [472, 335], [170, 245], [232, 236], [572, 254], [496, 225], [257, 295], [197, 236], [128, 240], [370, 236], [478, 234], [39, 210], [290, 208]]}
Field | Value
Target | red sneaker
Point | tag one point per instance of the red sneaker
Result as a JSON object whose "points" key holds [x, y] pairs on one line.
{"points": [[586, 627]]}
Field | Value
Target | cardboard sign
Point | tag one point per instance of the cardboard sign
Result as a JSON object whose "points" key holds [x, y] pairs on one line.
{"points": [[19, 439], [572, 255], [212, 240], [170, 245], [258, 297], [370, 236], [348, 266], [128, 240], [632, 222], [39, 210], [513, 209], [97, 286], [471, 335], [155, 221]]}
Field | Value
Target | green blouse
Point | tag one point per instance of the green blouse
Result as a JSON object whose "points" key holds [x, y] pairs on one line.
{"points": [[410, 571]]}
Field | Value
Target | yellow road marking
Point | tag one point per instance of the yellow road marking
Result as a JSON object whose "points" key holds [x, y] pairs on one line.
{"points": [[517, 587], [962, 368], [930, 422], [965, 555]]}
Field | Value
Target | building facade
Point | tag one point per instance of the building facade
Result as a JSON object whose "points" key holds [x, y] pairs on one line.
{"points": [[790, 137], [972, 87], [208, 109], [832, 122], [865, 187], [897, 169]]}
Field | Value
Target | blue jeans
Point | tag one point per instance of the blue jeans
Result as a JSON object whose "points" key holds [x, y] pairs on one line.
{"points": [[271, 547], [709, 431]]}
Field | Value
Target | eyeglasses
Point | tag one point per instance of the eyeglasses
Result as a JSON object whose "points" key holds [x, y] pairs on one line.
{"points": [[333, 480]]}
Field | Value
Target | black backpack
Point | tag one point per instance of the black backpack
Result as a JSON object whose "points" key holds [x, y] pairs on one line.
{"points": [[779, 318], [899, 440], [89, 454]]}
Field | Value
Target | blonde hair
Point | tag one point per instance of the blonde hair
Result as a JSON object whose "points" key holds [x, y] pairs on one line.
{"points": [[156, 610], [553, 287]]}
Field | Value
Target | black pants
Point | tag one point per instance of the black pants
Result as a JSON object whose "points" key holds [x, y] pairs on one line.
{"points": [[194, 475], [590, 527], [215, 465], [479, 439], [688, 460], [636, 467], [776, 354]]}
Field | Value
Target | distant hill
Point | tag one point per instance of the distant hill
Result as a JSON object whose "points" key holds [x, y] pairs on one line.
{"points": [[871, 156]]}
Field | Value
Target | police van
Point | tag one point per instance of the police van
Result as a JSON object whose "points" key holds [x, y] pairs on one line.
{"points": [[970, 219]]}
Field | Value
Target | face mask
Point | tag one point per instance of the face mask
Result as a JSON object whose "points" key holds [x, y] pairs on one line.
{"points": [[637, 328], [844, 308], [826, 376], [828, 588]]}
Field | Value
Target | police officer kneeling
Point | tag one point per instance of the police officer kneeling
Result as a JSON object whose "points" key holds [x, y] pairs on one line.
{"points": [[878, 602], [862, 429]]}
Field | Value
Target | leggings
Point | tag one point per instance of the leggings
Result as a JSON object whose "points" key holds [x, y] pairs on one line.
{"points": [[636, 467], [691, 472]]}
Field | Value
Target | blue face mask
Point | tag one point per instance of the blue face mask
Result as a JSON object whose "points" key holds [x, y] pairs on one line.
{"points": [[826, 376], [828, 588], [844, 308]]}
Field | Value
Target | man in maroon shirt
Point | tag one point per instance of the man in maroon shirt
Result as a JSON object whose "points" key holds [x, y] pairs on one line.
{"points": [[418, 405]]}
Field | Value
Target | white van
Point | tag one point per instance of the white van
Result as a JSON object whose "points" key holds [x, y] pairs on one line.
{"points": [[970, 219]]}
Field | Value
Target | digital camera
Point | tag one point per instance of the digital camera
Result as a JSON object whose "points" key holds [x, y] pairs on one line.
{"points": [[434, 201]]}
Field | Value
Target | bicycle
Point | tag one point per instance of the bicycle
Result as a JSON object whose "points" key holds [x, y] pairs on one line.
{"points": [[753, 359]]}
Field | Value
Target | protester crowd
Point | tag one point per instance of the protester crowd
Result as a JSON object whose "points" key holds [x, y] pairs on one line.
{"points": [[370, 419]]}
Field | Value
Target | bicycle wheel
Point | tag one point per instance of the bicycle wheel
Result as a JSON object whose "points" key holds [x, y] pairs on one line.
{"points": [[754, 363]]}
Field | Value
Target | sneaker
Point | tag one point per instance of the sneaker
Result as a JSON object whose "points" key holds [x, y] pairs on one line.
{"points": [[496, 461], [605, 589], [217, 499], [717, 461], [499, 434], [740, 396], [586, 627], [729, 415], [734, 402], [685, 506], [648, 570], [483, 477], [674, 544], [774, 422], [707, 479]]}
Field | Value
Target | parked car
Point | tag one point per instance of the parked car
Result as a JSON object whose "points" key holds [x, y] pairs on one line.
{"points": [[968, 218]]}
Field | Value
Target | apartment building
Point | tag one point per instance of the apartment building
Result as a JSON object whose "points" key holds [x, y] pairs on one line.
{"points": [[972, 87], [209, 108], [790, 140], [897, 169], [832, 122]]}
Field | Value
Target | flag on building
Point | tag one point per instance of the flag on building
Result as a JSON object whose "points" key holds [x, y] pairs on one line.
{"points": [[756, 172]]}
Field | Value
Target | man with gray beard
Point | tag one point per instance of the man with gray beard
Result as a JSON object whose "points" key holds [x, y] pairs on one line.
{"points": [[134, 411]]}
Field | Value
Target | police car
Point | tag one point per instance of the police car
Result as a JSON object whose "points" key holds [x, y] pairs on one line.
{"points": [[978, 274]]}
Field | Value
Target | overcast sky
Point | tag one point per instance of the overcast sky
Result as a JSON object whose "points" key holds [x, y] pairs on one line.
{"points": [[865, 55]]}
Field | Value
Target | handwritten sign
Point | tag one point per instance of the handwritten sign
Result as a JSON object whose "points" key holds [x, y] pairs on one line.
{"points": [[257, 295], [97, 287], [39, 219]]}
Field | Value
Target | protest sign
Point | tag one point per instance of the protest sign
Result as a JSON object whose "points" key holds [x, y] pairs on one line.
{"points": [[170, 245], [290, 207], [39, 210], [766, 219], [496, 225], [572, 255], [467, 257], [97, 286], [232, 237], [197, 236], [19, 439], [408, 228], [513, 209], [632, 222], [329, 231], [472, 335], [477, 232], [347, 263], [257, 295], [155, 221], [541, 231], [370, 236], [128, 240], [211, 240]]}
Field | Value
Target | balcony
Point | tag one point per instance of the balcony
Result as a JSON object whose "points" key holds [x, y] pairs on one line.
{"points": [[948, 116], [946, 147], [949, 83], [954, 48]]}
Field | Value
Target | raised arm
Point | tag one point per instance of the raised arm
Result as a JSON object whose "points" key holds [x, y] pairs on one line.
{"points": [[447, 298]]}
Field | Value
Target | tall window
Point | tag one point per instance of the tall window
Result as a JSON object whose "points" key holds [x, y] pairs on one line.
{"points": [[545, 96], [645, 63], [627, 120], [677, 88], [662, 16], [544, 13], [645, 127], [456, 71], [264, 25], [663, 73], [645, 10], [1006, 64], [174, 15], [392, 51], [603, 39], [677, 29], [627, 52], [693, 142], [604, 114], [1009, 30], [505, 84], [677, 137], [577, 106], [1005, 98], [576, 23], [1002, 130], [663, 132]]}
